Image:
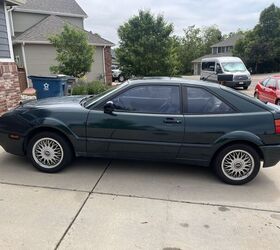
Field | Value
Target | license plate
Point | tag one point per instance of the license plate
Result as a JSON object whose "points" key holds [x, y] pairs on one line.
{"points": [[241, 83]]}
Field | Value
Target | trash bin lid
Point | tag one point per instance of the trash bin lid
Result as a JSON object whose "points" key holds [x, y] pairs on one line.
{"points": [[51, 77]]}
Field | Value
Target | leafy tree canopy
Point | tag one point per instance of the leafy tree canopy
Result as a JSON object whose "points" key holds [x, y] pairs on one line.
{"points": [[74, 54], [146, 45]]}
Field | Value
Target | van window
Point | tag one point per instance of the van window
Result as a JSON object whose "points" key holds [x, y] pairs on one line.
{"points": [[208, 66], [234, 67]]}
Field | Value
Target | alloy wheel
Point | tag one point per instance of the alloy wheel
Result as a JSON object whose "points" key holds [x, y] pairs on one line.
{"points": [[47, 153], [238, 165]]}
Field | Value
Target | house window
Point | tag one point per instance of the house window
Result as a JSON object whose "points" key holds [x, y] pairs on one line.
{"points": [[4, 37]]}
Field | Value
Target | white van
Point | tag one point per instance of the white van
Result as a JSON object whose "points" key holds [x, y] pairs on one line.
{"points": [[229, 71]]}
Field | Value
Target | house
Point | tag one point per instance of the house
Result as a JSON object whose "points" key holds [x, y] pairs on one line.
{"points": [[9, 82], [223, 48], [36, 20]]}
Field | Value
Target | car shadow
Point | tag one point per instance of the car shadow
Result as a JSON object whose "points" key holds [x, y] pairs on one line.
{"points": [[170, 181]]}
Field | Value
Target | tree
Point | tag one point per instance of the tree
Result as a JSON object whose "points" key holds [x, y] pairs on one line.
{"points": [[195, 43], [210, 36], [145, 45], [74, 54], [259, 48]]}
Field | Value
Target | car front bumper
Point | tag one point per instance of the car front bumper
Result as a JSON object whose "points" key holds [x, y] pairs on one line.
{"points": [[271, 155], [235, 84]]}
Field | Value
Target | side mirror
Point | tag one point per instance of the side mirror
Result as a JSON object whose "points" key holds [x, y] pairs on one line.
{"points": [[109, 107]]}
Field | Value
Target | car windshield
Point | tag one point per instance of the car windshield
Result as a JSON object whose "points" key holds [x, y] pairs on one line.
{"points": [[234, 67], [93, 99]]}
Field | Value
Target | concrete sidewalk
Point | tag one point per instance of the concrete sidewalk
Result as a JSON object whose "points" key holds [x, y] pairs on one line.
{"points": [[100, 204]]}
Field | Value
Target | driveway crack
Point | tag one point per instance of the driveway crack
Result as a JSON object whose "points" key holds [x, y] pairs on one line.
{"points": [[82, 206]]}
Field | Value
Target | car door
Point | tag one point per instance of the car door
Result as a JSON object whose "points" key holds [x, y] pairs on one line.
{"points": [[206, 119], [270, 91], [146, 123], [262, 90]]}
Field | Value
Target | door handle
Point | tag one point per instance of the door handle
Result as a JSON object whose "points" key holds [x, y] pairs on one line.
{"points": [[172, 121]]}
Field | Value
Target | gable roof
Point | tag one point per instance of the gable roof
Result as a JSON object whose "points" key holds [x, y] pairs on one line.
{"points": [[58, 7], [53, 25], [228, 42]]}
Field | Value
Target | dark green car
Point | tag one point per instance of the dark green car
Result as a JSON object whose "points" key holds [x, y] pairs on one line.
{"points": [[191, 122]]}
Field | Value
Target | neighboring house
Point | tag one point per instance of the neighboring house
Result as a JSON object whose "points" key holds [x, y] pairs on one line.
{"points": [[36, 20], [9, 83], [223, 48]]}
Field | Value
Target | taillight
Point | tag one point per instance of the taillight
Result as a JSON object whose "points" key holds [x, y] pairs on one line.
{"points": [[277, 126]]}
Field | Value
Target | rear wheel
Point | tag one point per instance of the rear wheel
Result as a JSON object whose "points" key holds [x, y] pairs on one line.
{"points": [[237, 164], [278, 102], [256, 95], [49, 152]]}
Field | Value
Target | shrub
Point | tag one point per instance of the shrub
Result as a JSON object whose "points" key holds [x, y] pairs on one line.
{"points": [[89, 88]]}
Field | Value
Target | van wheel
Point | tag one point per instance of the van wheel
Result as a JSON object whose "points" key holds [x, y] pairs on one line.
{"points": [[49, 152], [237, 164]]}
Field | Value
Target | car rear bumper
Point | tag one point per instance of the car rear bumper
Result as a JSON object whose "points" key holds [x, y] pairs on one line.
{"points": [[271, 155], [12, 146], [235, 84]]}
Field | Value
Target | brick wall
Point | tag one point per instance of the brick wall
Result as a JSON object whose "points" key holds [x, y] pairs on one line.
{"points": [[9, 87], [108, 64]]}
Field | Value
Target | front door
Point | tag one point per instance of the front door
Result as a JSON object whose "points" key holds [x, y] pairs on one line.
{"points": [[146, 123]]}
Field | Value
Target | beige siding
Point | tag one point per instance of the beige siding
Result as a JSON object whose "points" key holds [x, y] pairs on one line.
{"points": [[78, 21], [97, 68], [39, 58], [23, 21]]}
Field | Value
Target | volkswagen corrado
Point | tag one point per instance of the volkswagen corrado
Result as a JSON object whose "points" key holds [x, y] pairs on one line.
{"points": [[164, 119]]}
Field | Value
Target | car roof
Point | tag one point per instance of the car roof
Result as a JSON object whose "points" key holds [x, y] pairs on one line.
{"points": [[223, 59], [172, 80]]}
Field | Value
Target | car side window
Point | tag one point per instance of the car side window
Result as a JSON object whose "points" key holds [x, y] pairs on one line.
{"points": [[149, 99], [201, 101], [271, 83], [264, 83]]}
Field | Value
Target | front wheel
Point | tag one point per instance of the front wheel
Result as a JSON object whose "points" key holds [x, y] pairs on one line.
{"points": [[237, 164], [49, 152]]}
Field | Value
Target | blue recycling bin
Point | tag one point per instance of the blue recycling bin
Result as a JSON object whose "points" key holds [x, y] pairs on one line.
{"points": [[49, 86]]}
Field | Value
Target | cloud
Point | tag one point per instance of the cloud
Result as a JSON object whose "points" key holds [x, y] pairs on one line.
{"points": [[106, 16]]}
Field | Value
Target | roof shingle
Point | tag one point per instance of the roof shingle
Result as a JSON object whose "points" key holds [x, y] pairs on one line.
{"points": [[228, 42], [65, 7], [54, 25]]}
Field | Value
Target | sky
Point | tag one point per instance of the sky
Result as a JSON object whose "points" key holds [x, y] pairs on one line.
{"points": [[105, 16]]}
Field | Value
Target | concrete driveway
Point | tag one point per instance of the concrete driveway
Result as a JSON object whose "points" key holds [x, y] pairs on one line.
{"points": [[101, 204]]}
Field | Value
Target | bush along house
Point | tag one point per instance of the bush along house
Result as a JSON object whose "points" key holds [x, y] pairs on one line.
{"points": [[9, 81]]}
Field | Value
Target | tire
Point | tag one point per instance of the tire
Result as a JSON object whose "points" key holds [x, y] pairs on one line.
{"points": [[41, 152], [245, 87], [278, 102], [256, 95], [121, 78], [231, 168]]}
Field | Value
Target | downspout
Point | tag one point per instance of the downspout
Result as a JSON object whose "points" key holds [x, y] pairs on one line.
{"points": [[104, 65], [11, 20], [24, 63]]}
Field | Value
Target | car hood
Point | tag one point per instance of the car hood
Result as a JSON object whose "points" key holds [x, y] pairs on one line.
{"points": [[55, 101]]}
